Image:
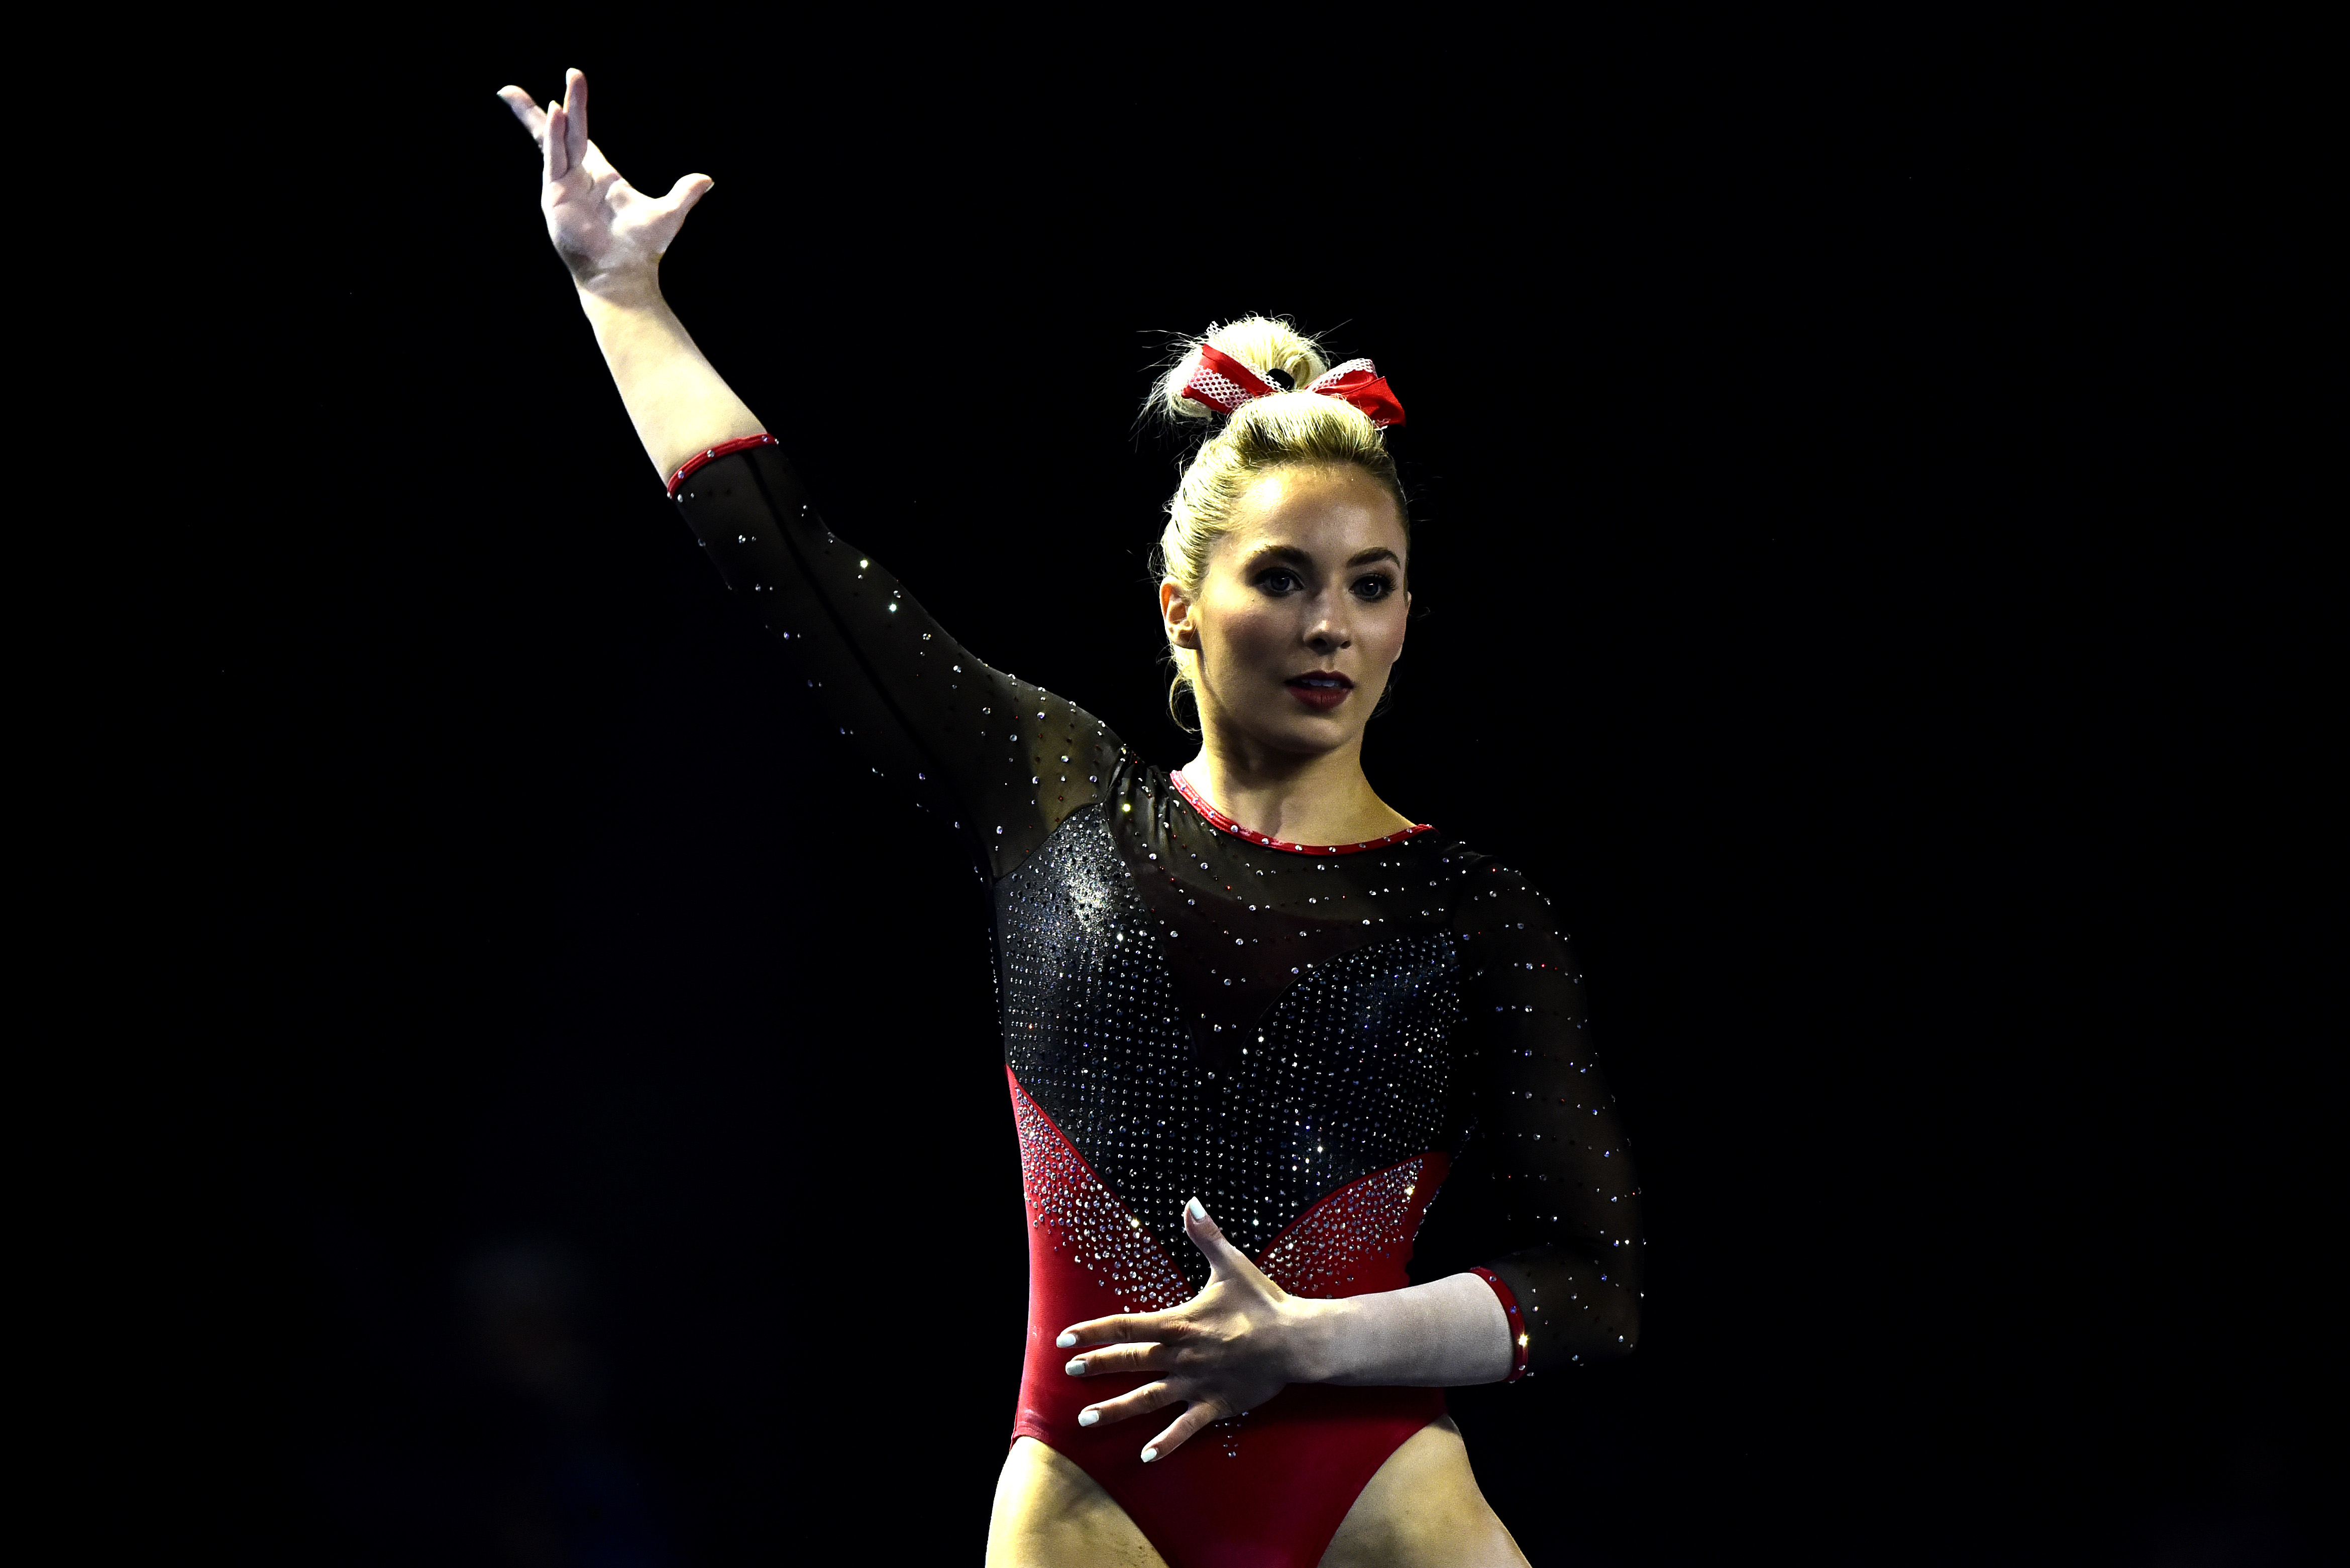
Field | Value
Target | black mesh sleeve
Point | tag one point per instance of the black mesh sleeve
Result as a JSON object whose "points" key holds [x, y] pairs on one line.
{"points": [[1558, 1180], [998, 758]]}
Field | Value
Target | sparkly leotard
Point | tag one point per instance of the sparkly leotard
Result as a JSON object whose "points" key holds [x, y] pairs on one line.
{"points": [[1303, 1037]]}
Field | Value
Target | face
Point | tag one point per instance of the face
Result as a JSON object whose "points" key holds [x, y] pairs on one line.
{"points": [[1301, 615]]}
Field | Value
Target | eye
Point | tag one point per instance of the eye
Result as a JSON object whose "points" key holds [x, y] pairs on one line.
{"points": [[1376, 585], [1278, 580]]}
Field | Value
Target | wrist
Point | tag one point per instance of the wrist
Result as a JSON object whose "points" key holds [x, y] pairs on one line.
{"points": [[1324, 1337], [634, 286]]}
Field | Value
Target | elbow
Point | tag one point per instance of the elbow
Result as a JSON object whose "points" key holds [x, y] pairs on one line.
{"points": [[1627, 1330], [1627, 1305], [1607, 1331], [1610, 1340], [1618, 1327]]}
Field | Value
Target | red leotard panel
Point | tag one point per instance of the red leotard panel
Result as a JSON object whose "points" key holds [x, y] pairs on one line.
{"points": [[1267, 1491]]}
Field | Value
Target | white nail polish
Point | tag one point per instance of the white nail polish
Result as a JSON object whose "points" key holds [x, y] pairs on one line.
{"points": [[1065, 1340], [1077, 1368], [1149, 1455], [1198, 1212], [1087, 1417]]}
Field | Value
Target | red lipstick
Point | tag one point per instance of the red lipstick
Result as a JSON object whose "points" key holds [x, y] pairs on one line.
{"points": [[1320, 689]]}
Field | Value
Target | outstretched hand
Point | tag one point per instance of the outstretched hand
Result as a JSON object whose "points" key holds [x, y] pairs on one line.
{"points": [[1227, 1350], [603, 227]]}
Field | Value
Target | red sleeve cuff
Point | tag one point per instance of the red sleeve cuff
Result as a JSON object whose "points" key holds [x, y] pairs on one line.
{"points": [[1517, 1321], [739, 443]]}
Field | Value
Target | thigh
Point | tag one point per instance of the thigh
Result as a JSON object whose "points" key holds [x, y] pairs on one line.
{"points": [[1423, 1509], [1051, 1514]]}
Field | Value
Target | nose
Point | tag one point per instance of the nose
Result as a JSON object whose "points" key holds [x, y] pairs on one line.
{"points": [[1328, 636], [1327, 627]]}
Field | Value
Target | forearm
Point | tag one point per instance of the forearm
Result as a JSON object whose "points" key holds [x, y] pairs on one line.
{"points": [[1447, 1334], [678, 402]]}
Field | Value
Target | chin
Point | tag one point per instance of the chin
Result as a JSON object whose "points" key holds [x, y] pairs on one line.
{"points": [[1307, 732]]}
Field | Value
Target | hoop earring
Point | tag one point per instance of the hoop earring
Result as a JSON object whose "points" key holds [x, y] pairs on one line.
{"points": [[1175, 689]]}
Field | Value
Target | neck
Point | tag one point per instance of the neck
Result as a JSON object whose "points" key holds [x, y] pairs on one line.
{"points": [[1318, 799]]}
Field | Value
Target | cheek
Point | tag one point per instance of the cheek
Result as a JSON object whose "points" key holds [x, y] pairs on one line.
{"points": [[1253, 630]]}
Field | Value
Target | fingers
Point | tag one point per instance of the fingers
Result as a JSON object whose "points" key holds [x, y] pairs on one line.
{"points": [[1223, 1258], [1180, 1430], [1120, 1359], [556, 144], [689, 188], [1156, 1397], [533, 118], [1141, 1401], [1111, 1330], [575, 116]]}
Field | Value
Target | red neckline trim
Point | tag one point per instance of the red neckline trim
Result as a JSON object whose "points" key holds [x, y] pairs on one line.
{"points": [[739, 443], [1222, 823]]}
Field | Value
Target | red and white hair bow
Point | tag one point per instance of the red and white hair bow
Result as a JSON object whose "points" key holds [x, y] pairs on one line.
{"points": [[1223, 384]]}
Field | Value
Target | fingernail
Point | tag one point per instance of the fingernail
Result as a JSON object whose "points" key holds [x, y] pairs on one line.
{"points": [[1087, 1417], [1198, 1210], [1077, 1368], [1149, 1455], [1065, 1340]]}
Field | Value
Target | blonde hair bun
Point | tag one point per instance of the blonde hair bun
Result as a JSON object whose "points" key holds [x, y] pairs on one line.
{"points": [[1267, 345]]}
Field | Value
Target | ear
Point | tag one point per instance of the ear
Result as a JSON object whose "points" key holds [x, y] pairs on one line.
{"points": [[1175, 611]]}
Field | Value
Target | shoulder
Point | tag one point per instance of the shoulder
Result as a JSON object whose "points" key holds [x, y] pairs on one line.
{"points": [[1494, 897]]}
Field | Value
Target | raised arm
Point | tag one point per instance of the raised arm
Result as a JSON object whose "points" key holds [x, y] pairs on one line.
{"points": [[612, 237], [979, 751]]}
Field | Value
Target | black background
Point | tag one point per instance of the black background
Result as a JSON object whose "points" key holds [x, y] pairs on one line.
{"points": [[1807, 599]]}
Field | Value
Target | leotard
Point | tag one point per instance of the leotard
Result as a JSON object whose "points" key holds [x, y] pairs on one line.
{"points": [[1305, 1037]]}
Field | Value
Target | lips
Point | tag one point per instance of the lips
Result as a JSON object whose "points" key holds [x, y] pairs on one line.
{"points": [[1320, 689]]}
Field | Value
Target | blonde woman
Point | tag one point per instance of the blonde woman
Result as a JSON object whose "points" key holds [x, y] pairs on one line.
{"points": [[1250, 1011]]}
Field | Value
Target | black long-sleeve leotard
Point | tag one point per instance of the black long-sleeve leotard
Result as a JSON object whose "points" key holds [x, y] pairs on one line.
{"points": [[1202, 1014]]}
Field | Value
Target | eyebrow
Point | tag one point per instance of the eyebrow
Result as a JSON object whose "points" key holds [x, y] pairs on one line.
{"points": [[1292, 553]]}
